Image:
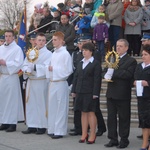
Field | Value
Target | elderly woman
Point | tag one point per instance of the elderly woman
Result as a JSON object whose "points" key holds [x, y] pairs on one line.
{"points": [[133, 19], [86, 90], [142, 83]]}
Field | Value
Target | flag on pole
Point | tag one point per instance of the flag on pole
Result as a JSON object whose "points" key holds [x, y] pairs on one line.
{"points": [[22, 33]]}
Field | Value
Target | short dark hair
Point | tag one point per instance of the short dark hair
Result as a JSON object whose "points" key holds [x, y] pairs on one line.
{"points": [[40, 34], [89, 46], [11, 31], [146, 48], [126, 43], [65, 15]]}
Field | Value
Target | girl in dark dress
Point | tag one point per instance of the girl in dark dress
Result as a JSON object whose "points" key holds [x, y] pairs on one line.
{"points": [[86, 90], [142, 77]]}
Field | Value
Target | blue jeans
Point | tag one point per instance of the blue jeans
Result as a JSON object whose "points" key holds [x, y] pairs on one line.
{"points": [[100, 45], [114, 32]]}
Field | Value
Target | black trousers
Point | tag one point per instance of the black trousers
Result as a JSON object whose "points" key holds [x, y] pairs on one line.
{"points": [[120, 109], [22, 91], [100, 121], [134, 44]]}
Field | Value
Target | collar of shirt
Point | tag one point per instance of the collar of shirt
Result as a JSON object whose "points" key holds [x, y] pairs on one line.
{"points": [[122, 55], [86, 62], [91, 59], [9, 45], [59, 49], [144, 65]]}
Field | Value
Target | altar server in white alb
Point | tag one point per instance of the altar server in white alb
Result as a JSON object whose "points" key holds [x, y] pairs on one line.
{"points": [[58, 97], [11, 60], [37, 88]]}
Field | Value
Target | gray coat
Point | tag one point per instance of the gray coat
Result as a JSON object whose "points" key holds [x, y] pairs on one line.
{"points": [[133, 16], [69, 32], [146, 18], [114, 12]]}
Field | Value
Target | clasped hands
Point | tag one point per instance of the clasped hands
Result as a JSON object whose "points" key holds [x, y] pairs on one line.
{"points": [[2, 62], [30, 67], [50, 68], [143, 83]]}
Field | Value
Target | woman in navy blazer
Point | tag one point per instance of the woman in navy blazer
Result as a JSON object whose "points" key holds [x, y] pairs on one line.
{"points": [[86, 90]]}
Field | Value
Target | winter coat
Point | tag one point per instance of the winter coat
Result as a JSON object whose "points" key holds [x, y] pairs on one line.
{"points": [[133, 16]]}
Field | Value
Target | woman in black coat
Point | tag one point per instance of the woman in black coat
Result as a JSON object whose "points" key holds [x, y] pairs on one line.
{"points": [[142, 81], [86, 90]]}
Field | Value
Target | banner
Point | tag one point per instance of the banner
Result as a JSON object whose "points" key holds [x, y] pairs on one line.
{"points": [[22, 33]]}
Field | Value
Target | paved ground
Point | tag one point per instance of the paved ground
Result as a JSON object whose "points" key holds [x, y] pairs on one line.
{"points": [[19, 141]]}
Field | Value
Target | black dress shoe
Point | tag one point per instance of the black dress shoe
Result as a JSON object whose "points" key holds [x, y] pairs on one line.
{"points": [[140, 136], [111, 144], [56, 136], [75, 133], [99, 133], [123, 144], [41, 131], [120, 146], [4, 127], [72, 130], [11, 128], [50, 135], [29, 131]]}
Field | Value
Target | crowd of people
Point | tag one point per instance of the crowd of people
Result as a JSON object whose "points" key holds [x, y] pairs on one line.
{"points": [[50, 74], [115, 19]]}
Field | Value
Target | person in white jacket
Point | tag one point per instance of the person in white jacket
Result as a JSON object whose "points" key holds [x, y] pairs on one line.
{"points": [[11, 60], [58, 95], [37, 87]]}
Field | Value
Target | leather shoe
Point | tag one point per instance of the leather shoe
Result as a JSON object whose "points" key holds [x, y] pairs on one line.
{"points": [[41, 131], [123, 144], [29, 131], [140, 136], [50, 135], [75, 133], [99, 133], [4, 127], [11, 128], [72, 130], [56, 136], [111, 144]]}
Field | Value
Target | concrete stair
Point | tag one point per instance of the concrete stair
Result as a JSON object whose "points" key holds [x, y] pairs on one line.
{"points": [[103, 106]]}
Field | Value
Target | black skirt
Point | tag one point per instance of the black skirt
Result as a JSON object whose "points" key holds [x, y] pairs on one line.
{"points": [[144, 112], [84, 102]]}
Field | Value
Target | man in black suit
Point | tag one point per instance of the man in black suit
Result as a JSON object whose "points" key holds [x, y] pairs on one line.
{"points": [[119, 96], [77, 57]]}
